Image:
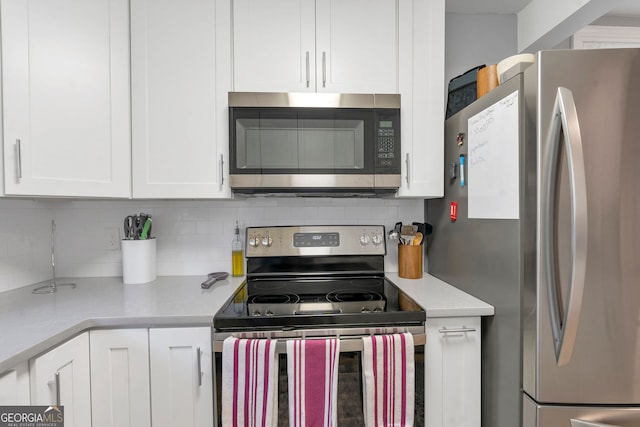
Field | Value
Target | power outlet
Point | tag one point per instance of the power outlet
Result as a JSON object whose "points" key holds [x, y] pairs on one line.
{"points": [[111, 238]]}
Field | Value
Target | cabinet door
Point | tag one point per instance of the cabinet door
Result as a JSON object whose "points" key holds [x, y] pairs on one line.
{"points": [[66, 109], [181, 377], [357, 46], [120, 395], [422, 87], [14, 386], [274, 46], [180, 79], [452, 372], [61, 376]]}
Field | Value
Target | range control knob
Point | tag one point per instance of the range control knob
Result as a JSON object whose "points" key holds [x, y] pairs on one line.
{"points": [[364, 239], [377, 239], [267, 241], [268, 313], [256, 313], [254, 241]]}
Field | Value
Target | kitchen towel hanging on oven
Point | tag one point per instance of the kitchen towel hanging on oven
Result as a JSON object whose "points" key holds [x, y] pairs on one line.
{"points": [[249, 383], [389, 380], [312, 371]]}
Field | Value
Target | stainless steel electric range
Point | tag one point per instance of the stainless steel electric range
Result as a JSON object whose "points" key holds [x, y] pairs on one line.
{"points": [[316, 281]]}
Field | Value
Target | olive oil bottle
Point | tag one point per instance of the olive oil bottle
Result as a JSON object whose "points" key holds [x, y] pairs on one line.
{"points": [[237, 256]]}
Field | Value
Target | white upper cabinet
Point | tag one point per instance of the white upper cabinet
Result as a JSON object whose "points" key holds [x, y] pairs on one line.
{"points": [[422, 89], [66, 97], [181, 64], [315, 46], [274, 46], [357, 46]]}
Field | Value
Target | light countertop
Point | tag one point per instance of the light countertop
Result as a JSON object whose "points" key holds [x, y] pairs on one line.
{"points": [[32, 324], [440, 299]]}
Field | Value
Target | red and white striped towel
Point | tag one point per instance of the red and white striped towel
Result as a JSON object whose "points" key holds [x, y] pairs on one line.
{"points": [[312, 370], [249, 383], [389, 380]]}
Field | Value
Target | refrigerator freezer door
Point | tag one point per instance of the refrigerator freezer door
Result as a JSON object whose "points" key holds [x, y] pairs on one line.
{"points": [[597, 316], [578, 416]]}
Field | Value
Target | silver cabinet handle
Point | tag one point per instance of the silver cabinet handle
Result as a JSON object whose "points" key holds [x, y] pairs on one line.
{"points": [[406, 161], [581, 423], [58, 388], [199, 366], [308, 70], [221, 170], [324, 69], [18, 159], [456, 330], [565, 331]]}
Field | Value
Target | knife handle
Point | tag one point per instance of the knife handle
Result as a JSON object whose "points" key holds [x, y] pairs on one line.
{"points": [[145, 229], [209, 282]]}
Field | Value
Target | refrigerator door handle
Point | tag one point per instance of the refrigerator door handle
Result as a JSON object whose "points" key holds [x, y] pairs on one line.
{"points": [[582, 423], [565, 330]]}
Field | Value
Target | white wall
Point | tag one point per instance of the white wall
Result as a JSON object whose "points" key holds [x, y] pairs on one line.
{"points": [[194, 237], [472, 40]]}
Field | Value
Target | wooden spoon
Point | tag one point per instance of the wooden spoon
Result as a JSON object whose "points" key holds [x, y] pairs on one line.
{"points": [[417, 239]]}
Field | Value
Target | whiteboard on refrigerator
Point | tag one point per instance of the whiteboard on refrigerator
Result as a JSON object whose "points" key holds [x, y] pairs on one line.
{"points": [[492, 161]]}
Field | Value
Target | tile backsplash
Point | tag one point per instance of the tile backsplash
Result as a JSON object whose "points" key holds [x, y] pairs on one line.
{"points": [[25, 242], [193, 236]]}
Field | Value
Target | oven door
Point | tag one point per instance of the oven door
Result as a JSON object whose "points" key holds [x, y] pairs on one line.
{"points": [[292, 149], [350, 388]]}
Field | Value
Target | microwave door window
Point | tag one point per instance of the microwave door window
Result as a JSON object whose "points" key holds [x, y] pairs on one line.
{"points": [[327, 144], [315, 141], [266, 142]]}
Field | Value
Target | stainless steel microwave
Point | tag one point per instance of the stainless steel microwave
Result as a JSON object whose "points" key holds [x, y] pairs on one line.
{"points": [[314, 143]]}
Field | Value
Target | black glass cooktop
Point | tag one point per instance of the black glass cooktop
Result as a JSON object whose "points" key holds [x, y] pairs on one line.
{"points": [[324, 304]]}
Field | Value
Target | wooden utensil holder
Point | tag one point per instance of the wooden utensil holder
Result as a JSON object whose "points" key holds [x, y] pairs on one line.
{"points": [[410, 261]]}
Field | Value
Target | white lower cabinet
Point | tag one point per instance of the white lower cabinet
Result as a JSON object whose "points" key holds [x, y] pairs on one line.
{"points": [[61, 377], [14, 386], [157, 376], [120, 394], [452, 372], [181, 377]]}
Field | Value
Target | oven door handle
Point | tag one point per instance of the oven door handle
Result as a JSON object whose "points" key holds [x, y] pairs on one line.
{"points": [[347, 345]]}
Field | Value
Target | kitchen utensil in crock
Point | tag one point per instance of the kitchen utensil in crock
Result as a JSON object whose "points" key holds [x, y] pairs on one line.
{"points": [[417, 240], [213, 278]]}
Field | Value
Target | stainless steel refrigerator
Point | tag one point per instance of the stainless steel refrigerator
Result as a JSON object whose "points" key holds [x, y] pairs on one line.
{"points": [[541, 218]]}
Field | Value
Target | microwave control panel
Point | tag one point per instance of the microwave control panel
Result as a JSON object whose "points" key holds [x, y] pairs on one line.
{"points": [[387, 140]]}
